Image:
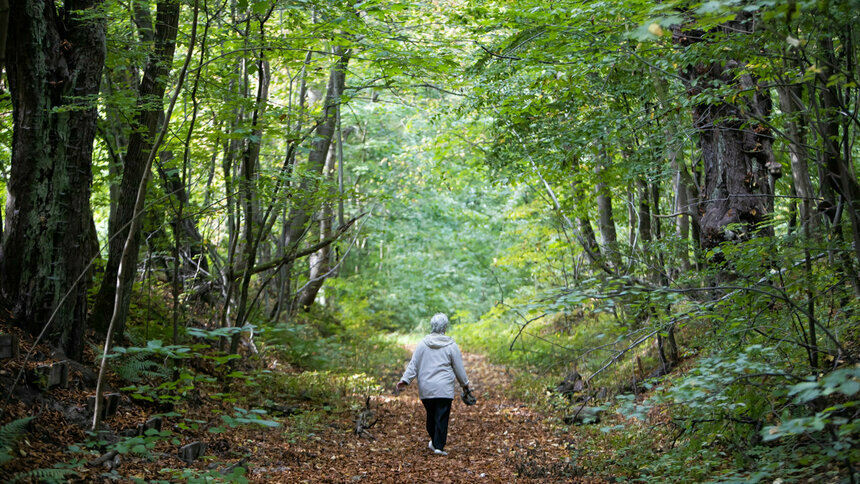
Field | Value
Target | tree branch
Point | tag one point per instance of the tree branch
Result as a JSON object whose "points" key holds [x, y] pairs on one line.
{"points": [[306, 251]]}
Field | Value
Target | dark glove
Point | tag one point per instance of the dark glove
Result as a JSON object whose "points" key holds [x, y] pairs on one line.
{"points": [[467, 397]]}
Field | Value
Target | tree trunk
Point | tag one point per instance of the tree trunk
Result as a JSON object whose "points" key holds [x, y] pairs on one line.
{"points": [[149, 102], [644, 225], [586, 237], [589, 240], [682, 221], [657, 231], [238, 85], [184, 228], [790, 102], [606, 219], [738, 161], [319, 262], [249, 198], [54, 69], [681, 182], [302, 209], [837, 173], [283, 280], [4, 27]]}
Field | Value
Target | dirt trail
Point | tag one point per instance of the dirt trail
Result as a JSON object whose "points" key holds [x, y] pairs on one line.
{"points": [[497, 440]]}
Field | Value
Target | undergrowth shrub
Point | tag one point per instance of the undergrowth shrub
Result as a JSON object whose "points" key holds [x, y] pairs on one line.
{"points": [[303, 426], [136, 367], [48, 476], [300, 345], [765, 385], [547, 343], [316, 386], [754, 420]]}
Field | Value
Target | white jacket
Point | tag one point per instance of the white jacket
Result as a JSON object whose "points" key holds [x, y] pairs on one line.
{"points": [[436, 362]]}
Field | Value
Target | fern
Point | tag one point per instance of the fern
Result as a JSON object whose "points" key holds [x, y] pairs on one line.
{"points": [[51, 476], [9, 436], [134, 367]]}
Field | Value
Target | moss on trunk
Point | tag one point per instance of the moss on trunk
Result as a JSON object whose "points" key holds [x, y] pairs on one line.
{"points": [[55, 60]]}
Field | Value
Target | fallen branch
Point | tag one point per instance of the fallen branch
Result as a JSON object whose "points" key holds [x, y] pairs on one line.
{"points": [[362, 420], [101, 460]]}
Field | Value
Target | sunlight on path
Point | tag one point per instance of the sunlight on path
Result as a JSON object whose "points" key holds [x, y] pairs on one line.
{"points": [[487, 442]]}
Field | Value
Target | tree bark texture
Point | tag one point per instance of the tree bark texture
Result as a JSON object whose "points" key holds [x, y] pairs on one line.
{"points": [[681, 183], [55, 61], [150, 99], [4, 27], [283, 282], [185, 230], [739, 165], [644, 226], [682, 221], [249, 174]]}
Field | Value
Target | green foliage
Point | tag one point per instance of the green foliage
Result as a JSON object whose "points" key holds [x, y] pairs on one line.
{"points": [[304, 426], [301, 345], [626, 454], [719, 407], [135, 367], [325, 387], [243, 416], [191, 475], [217, 333], [141, 444], [478, 136], [429, 244], [10, 434]]}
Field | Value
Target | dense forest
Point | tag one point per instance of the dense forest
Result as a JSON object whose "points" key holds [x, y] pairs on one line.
{"points": [[226, 223]]}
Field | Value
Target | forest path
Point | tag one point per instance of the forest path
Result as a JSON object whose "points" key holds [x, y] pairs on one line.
{"points": [[497, 440]]}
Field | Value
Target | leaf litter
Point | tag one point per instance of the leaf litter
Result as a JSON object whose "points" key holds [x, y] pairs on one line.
{"points": [[497, 440]]}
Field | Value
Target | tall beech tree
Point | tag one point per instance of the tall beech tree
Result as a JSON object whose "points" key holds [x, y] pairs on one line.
{"points": [[55, 54]]}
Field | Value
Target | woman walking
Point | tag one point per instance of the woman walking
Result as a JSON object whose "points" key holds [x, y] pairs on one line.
{"points": [[436, 363]]}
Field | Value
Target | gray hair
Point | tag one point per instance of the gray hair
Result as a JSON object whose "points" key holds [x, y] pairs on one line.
{"points": [[439, 323]]}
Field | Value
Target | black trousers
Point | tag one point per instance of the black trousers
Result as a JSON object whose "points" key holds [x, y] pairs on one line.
{"points": [[438, 412]]}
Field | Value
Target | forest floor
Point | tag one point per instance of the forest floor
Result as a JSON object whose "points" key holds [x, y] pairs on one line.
{"points": [[499, 439], [496, 440]]}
